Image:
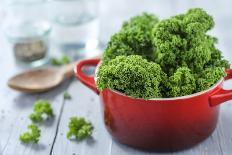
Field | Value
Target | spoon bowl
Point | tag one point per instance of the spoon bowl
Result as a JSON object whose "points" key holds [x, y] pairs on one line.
{"points": [[35, 81]]}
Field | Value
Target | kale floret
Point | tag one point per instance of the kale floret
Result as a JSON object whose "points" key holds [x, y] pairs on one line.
{"points": [[181, 83], [134, 38], [131, 75], [182, 41], [79, 128], [209, 77], [42, 110], [31, 136]]}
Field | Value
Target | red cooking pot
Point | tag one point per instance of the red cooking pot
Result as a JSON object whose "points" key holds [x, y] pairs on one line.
{"points": [[163, 124]]}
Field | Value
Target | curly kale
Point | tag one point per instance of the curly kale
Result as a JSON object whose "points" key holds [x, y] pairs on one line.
{"points": [[177, 50], [79, 128], [67, 96], [216, 57], [209, 77], [42, 110], [134, 38], [31, 136], [182, 41], [60, 61], [131, 75], [181, 83]]}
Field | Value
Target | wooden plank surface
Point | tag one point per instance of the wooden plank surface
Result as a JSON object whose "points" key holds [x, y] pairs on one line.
{"points": [[15, 107], [84, 103]]}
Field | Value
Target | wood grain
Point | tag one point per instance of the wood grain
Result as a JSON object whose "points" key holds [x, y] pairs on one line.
{"points": [[15, 108], [84, 103]]}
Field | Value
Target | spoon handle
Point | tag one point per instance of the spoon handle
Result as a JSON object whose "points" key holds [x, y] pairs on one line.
{"points": [[68, 70]]}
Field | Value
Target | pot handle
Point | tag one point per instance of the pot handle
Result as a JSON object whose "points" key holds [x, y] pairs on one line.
{"points": [[87, 80], [221, 95]]}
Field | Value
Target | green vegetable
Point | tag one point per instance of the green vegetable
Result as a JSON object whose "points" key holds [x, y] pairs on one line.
{"points": [[42, 110], [182, 41], [79, 128], [209, 77], [61, 61], [31, 136], [131, 75], [67, 96], [181, 58], [134, 38], [217, 58], [181, 83]]}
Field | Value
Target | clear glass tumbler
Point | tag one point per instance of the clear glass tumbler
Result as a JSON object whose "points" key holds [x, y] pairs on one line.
{"points": [[75, 24], [27, 28]]}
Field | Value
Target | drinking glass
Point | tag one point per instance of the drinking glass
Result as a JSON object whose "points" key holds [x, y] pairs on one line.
{"points": [[27, 28], [75, 24]]}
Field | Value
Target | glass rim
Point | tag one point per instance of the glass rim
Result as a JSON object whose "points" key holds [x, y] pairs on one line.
{"points": [[23, 2]]}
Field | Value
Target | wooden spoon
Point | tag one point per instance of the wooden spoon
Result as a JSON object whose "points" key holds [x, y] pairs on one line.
{"points": [[41, 80]]}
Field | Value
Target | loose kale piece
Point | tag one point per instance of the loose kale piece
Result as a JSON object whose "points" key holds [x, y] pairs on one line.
{"points": [[67, 96], [134, 38], [31, 136], [132, 75], [79, 128], [42, 110], [60, 61]]}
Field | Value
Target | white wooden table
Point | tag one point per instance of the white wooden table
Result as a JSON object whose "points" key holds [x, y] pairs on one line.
{"points": [[15, 107]]}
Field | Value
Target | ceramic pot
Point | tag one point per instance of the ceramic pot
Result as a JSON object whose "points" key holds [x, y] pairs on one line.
{"points": [[163, 124]]}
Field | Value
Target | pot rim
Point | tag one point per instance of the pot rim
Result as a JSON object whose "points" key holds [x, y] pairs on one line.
{"points": [[174, 98], [161, 99]]}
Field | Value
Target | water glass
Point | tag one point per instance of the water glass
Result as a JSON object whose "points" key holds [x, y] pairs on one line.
{"points": [[27, 28], [75, 24]]}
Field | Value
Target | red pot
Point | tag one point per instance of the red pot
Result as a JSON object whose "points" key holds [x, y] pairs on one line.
{"points": [[158, 124]]}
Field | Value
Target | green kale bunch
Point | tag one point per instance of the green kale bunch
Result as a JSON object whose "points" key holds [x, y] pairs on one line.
{"points": [[182, 41], [181, 83], [131, 75], [31, 136], [79, 128], [42, 110], [183, 58], [209, 77], [134, 38]]}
